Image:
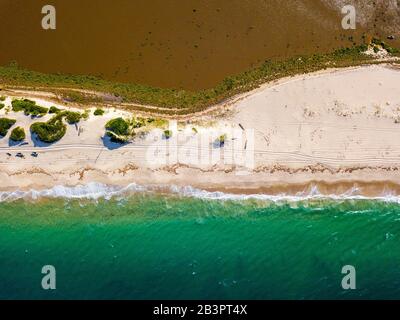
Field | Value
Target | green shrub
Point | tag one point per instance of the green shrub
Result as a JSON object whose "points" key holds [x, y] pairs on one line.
{"points": [[2, 98], [118, 126], [18, 134], [5, 125], [98, 112], [85, 115], [167, 134], [54, 109], [139, 122], [50, 131], [221, 140], [29, 107], [72, 117], [2, 105]]}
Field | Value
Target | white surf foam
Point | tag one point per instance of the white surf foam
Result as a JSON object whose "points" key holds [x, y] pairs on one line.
{"points": [[95, 191], [90, 191]]}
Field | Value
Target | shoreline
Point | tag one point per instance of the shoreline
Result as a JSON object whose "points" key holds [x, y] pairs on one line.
{"points": [[313, 191]]}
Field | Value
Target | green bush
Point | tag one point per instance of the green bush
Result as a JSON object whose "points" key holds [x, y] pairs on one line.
{"points": [[18, 134], [2, 98], [167, 134], [2, 105], [118, 126], [72, 117], [98, 112], [85, 115], [50, 131], [54, 109], [29, 107], [118, 130], [221, 140], [5, 125]]}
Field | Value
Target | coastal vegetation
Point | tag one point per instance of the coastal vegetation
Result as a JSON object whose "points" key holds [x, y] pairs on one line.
{"points": [[118, 130], [178, 101], [167, 134], [50, 131], [221, 140], [29, 107], [5, 125], [54, 129], [54, 109], [18, 134], [71, 117], [98, 112]]}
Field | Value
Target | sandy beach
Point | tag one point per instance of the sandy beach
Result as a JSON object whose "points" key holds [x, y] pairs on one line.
{"points": [[335, 129]]}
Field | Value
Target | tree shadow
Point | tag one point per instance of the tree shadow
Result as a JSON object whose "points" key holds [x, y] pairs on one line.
{"points": [[111, 145], [12, 143], [39, 143]]}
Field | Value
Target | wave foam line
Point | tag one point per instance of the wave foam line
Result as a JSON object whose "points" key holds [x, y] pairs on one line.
{"points": [[90, 191], [313, 194], [95, 191]]}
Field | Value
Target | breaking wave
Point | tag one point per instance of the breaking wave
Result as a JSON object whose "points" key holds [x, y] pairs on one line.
{"points": [[96, 191]]}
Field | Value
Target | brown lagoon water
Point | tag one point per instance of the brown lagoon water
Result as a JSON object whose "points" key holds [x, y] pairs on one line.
{"points": [[169, 43]]}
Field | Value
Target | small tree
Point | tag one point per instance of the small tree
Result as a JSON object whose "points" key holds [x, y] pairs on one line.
{"points": [[18, 134]]}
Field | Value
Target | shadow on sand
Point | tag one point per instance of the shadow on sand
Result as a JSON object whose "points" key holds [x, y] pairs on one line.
{"points": [[110, 145], [12, 143], [39, 143]]}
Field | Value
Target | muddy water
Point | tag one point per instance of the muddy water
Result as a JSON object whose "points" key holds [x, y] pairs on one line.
{"points": [[170, 43]]}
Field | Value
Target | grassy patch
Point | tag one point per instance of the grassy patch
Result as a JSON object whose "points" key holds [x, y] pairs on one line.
{"points": [[5, 125]]}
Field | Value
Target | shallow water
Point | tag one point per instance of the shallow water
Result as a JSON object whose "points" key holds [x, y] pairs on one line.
{"points": [[149, 246], [191, 44]]}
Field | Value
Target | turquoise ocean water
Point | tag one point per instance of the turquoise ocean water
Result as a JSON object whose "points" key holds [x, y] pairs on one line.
{"points": [[155, 246]]}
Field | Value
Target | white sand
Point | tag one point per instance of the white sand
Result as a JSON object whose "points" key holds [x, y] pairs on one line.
{"points": [[328, 127]]}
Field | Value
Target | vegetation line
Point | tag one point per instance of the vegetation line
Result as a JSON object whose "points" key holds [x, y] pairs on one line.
{"points": [[182, 102]]}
